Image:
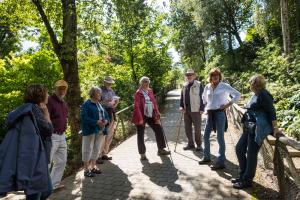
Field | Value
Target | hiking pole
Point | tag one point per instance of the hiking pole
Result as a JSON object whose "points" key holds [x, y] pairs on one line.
{"points": [[165, 138], [178, 131]]}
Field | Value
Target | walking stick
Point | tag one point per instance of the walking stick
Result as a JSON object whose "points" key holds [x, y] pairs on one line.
{"points": [[178, 131], [165, 138]]}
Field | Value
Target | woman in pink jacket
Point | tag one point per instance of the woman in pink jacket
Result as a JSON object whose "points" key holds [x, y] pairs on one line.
{"points": [[146, 111]]}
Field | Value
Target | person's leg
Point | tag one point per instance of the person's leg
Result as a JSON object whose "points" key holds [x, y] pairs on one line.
{"points": [[196, 118], [159, 134], [188, 129], [240, 150], [108, 138], [59, 161], [207, 131], [140, 139], [252, 153], [220, 126], [87, 145], [36, 196], [95, 151]]}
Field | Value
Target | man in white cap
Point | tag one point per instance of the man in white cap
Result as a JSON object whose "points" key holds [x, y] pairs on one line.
{"points": [[191, 104], [109, 100], [58, 111]]}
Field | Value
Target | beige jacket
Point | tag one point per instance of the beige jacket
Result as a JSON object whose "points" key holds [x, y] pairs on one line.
{"points": [[196, 91]]}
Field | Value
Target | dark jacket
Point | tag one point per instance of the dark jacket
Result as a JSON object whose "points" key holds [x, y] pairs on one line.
{"points": [[89, 117], [23, 162]]}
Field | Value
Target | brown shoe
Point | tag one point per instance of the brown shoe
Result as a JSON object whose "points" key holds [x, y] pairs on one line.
{"points": [[59, 188], [105, 157], [163, 152], [143, 157], [99, 161]]}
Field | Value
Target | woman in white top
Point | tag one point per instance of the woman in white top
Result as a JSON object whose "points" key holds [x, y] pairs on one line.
{"points": [[216, 97]]}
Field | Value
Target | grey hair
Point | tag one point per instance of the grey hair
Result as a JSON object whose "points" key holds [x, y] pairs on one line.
{"points": [[144, 78], [93, 91]]}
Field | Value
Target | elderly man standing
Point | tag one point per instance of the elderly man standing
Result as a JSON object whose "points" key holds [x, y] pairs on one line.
{"points": [[58, 111], [109, 100], [191, 104]]}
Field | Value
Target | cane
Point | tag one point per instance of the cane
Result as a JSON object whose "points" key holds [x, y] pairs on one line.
{"points": [[163, 131], [178, 131]]}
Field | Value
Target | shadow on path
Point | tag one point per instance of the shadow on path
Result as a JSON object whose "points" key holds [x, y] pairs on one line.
{"points": [[162, 174]]}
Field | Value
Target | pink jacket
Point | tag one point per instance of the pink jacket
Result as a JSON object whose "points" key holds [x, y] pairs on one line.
{"points": [[139, 106]]}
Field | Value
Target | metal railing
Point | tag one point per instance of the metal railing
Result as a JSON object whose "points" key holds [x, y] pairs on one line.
{"points": [[282, 155]]}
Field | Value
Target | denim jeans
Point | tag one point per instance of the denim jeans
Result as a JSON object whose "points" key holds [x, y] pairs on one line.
{"points": [[247, 150], [220, 127]]}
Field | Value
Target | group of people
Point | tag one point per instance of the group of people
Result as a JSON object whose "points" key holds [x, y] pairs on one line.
{"points": [[258, 121], [33, 154]]}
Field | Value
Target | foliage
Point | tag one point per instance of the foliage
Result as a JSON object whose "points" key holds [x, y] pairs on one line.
{"points": [[17, 72]]}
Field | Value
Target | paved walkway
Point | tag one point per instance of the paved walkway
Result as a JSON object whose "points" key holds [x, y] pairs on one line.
{"points": [[176, 177]]}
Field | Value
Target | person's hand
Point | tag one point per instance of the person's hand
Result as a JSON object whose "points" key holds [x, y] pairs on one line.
{"points": [[141, 122], [224, 107], [45, 111], [277, 132], [182, 109], [101, 122]]}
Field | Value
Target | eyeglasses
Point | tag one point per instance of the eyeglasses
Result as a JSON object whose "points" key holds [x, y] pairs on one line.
{"points": [[189, 74]]}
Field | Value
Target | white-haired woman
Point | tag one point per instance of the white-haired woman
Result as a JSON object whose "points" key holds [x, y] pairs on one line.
{"points": [[146, 111], [94, 120], [258, 121]]}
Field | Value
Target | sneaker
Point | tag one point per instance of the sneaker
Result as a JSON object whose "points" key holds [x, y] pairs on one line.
{"points": [[242, 185], [99, 161], [89, 173], [105, 157], [235, 180], [188, 147], [163, 152], [2, 195], [204, 161], [199, 149], [217, 166], [58, 188], [96, 171], [143, 157]]}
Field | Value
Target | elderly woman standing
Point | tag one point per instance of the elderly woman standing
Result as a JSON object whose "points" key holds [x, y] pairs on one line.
{"points": [[146, 111], [216, 96], [25, 150], [94, 121], [258, 121]]}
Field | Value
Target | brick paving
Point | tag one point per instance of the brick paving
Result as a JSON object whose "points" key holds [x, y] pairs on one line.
{"points": [[177, 177]]}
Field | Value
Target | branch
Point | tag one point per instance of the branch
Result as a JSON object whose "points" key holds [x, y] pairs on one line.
{"points": [[53, 37]]}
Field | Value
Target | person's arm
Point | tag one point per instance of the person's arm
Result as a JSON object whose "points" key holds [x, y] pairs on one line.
{"points": [[233, 93], [201, 99], [136, 109], [85, 116], [204, 95]]}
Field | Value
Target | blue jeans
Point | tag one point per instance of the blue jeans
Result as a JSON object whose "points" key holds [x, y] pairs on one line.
{"points": [[246, 151], [220, 127]]}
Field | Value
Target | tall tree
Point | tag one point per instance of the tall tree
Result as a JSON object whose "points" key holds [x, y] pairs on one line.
{"points": [[285, 26], [66, 51]]}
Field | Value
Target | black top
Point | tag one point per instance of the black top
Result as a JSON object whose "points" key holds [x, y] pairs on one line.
{"points": [[45, 128], [265, 104]]}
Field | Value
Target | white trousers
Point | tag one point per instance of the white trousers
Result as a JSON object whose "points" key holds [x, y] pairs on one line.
{"points": [[91, 145], [58, 158]]}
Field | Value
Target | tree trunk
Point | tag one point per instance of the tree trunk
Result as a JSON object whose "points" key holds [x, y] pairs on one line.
{"points": [[297, 5], [231, 52], [66, 51], [285, 27]]}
